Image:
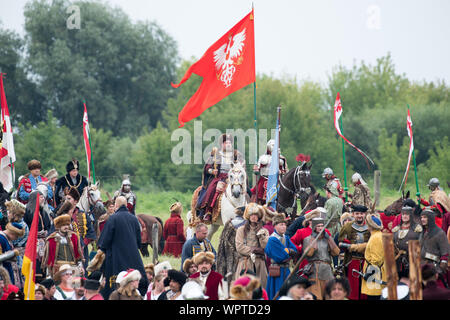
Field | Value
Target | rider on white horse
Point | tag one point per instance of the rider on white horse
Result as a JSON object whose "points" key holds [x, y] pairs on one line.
{"points": [[215, 174]]}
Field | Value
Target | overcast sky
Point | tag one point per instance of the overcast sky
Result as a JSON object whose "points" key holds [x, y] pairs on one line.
{"points": [[302, 38]]}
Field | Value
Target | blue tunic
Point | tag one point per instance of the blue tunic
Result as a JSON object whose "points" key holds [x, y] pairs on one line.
{"points": [[275, 251]]}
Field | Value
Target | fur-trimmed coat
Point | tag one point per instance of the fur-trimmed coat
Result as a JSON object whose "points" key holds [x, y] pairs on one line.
{"points": [[227, 256], [247, 239], [52, 244]]}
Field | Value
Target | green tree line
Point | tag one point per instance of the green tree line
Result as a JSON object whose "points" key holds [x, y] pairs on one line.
{"points": [[123, 70]]}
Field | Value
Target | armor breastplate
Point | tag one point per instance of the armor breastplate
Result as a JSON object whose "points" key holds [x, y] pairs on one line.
{"points": [[225, 162], [360, 230], [264, 163]]}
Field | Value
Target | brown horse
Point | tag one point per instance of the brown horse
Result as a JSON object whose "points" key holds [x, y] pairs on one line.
{"points": [[147, 236], [388, 215]]}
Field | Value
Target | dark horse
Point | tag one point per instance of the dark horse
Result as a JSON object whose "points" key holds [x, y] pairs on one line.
{"points": [[388, 215], [313, 201], [296, 183], [146, 240]]}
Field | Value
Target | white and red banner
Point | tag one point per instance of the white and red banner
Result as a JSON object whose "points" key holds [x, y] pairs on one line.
{"points": [[411, 148], [337, 116], [87, 141], [7, 153]]}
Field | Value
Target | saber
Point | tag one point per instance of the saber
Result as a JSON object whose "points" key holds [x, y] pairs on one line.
{"points": [[354, 271]]}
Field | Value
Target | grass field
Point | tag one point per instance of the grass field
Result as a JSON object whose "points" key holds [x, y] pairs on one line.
{"points": [[158, 204]]}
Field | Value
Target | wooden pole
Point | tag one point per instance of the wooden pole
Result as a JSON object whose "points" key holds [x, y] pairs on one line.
{"points": [[391, 267], [376, 187], [415, 274]]}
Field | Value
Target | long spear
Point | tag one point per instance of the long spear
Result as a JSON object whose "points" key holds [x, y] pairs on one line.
{"points": [[304, 255]]}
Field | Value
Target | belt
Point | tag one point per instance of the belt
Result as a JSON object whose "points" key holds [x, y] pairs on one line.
{"points": [[432, 257], [282, 265], [321, 261]]}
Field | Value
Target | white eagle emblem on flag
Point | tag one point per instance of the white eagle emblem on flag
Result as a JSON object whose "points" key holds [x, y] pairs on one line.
{"points": [[228, 56]]}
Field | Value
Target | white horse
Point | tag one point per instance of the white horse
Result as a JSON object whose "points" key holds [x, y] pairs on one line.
{"points": [[235, 196], [91, 198]]}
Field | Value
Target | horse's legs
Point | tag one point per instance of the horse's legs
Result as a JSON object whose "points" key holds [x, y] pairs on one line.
{"points": [[212, 229]]}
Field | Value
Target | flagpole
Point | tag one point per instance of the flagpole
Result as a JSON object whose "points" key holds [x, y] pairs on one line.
{"points": [[415, 168], [343, 157]]}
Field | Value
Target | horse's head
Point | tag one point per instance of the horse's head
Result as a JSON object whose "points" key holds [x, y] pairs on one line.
{"points": [[396, 207], [302, 179], [237, 179], [95, 198]]}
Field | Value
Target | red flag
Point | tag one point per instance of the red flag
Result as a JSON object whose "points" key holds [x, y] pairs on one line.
{"points": [[411, 148], [7, 153], [29, 258], [227, 66], [337, 115]]}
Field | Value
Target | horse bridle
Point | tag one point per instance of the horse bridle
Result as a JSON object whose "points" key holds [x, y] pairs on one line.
{"points": [[296, 192], [234, 184]]}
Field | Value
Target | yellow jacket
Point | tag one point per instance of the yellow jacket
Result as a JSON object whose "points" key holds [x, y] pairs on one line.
{"points": [[374, 256]]}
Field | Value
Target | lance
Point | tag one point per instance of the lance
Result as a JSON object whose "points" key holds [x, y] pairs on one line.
{"points": [[304, 255], [415, 168]]}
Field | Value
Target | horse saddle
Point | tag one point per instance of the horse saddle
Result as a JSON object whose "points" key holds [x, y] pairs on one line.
{"points": [[144, 232]]}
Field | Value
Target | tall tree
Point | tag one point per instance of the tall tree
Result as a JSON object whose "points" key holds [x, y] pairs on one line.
{"points": [[122, 70]]}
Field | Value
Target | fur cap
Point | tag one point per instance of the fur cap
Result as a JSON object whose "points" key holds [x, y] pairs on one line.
{"points": [[128, 276], [253, 208], [73, 192], [204, 256], [16, 208], [34, 164], [15, 228], [279, 217], [52, 173], [187, 264], [62, 220], [64, 208]]}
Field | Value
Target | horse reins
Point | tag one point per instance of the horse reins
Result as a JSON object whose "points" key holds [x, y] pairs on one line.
{"points": [[296, 192]]}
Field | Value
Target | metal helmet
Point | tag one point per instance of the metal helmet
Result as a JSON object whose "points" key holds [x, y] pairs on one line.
{"points": [[434, 182], [327, 171], [270, 144]]}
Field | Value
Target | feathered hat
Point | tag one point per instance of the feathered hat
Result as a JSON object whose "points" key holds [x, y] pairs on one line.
{"points": [[176, 208], [72, 164]]}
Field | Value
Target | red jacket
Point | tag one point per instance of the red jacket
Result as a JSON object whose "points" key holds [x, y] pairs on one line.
{"points": [[212, 284], [173, 233], [51, 253]]}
